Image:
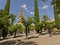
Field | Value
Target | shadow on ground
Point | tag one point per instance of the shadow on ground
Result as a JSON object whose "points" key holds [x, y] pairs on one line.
{"points": [[33, 37], [18, 42]]}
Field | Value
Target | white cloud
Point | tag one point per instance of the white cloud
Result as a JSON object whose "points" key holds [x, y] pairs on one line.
{"points": [[24, 6], [32, 13], [27, 10], [45, 7]]}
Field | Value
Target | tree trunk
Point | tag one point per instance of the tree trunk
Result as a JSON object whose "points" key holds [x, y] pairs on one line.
{"points": [[15, 33], [26, 32], [4, 33]]}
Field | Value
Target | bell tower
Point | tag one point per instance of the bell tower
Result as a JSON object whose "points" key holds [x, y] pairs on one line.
{"points": [[20, 17]]}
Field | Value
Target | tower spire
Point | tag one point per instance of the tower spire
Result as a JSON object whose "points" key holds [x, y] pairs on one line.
{"points": [[20, 16]]}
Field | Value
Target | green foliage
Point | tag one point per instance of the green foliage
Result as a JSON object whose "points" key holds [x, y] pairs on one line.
{"points": [[36, 14], [30, 20], [4, 19], [7, 8], [11, 29], [36, 11], [32, 26], [5, 22], [22, 29], [56, 8], [14, 28], [12, 18], [46, 22], [27, 22], [53, 2]]}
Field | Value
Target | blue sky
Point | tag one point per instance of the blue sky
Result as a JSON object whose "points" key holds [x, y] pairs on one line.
{"points": [[45, 8]]}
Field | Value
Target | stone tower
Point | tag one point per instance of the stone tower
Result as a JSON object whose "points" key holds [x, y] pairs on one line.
{"points": [[20, 17]]}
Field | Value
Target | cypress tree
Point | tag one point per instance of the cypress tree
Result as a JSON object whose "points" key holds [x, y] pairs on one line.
{"points": [[6, 13], [56, 15], [58, 11], [7, 7], [36, 15]]}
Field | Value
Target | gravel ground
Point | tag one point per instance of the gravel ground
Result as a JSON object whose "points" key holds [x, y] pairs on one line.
{"points": [[41, 40]]}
